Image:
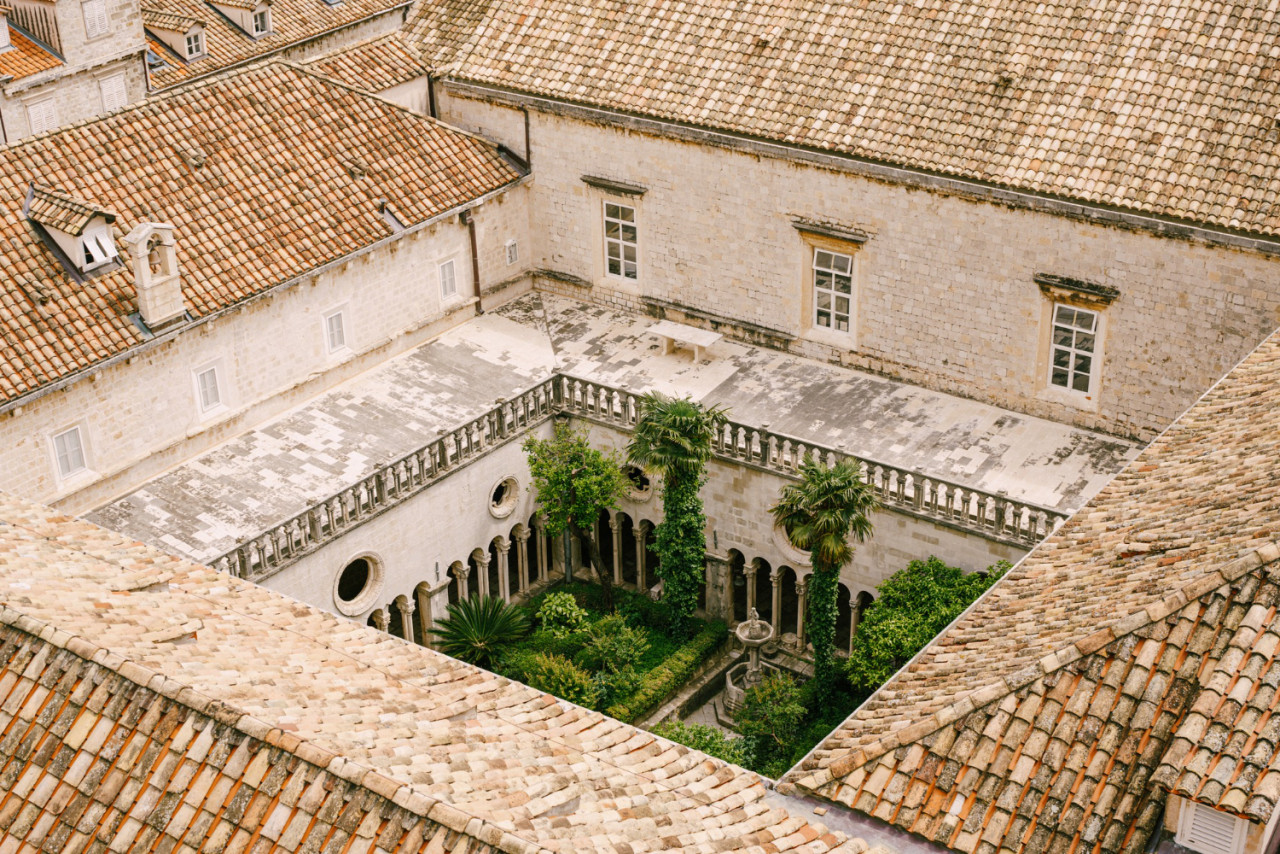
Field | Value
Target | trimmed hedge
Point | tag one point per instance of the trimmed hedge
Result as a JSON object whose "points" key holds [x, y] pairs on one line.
{"points": [[662, 682]]}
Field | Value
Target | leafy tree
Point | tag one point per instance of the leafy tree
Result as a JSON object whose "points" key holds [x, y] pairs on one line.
{"points": [[770, 718], [914, 605], [673, 436], [560, 676], [479, 630], [819, 514], [574, 482], [709, 740]]}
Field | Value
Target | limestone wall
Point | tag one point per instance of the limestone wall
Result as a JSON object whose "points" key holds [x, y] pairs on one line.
{"points": [[140, 415], [76, 94], [945, 290]]}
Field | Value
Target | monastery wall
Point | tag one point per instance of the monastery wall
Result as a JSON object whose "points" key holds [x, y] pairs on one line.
{"points": [[945, 295], [76, 96], [140, 415]]}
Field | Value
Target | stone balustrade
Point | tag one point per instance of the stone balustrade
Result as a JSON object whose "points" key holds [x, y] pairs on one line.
{"points": [[986, 514]]}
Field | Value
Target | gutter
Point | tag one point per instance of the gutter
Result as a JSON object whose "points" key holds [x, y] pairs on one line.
{"points": [[131, 353], [879, 170]]}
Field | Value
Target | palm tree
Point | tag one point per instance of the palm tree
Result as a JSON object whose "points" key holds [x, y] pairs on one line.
{"points": [[673, 436], [478, 630], [820, 514]]}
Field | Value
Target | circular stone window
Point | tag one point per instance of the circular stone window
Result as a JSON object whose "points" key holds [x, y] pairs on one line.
{"points": [[359, 583], [794, 553], [503, 498], [640, 488]]}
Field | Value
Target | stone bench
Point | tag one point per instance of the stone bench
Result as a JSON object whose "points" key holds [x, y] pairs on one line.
{"points": [[671, 332]]}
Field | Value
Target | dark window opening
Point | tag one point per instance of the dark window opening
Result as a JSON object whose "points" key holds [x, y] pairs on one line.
{"points": [[354, 579]]}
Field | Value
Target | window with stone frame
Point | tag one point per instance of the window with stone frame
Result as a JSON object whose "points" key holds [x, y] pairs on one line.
{"points": [[448, 280], [1073, 354], [68, 451], [621, 243], [832, 290]]}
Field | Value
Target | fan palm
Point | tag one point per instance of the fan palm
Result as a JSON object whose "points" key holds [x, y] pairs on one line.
{"points": [[674, 436], [479, 630], [820, 513]]}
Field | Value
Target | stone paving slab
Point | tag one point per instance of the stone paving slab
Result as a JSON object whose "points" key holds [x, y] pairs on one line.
{"points": [[206, 506]]}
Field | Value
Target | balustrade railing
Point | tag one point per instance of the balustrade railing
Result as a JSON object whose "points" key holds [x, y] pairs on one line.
{"points": [[974, 510]]}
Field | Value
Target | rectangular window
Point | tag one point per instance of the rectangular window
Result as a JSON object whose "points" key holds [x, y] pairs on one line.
{"points": [[195, 45], [620, 244], [114, 94], [448, 280], [42, 116], [513, 252], [95, 18], [207, 388], [1072, 356], [832, 289], [69, 451], [335, 334], [261, 23]]}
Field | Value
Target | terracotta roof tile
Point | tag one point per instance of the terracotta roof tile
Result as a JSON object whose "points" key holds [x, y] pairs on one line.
{"points": [[292, 21], [251, 171], [299, 731], [1164, 108], [25, 57], [373, 65], [61, 211], [160, 20]]}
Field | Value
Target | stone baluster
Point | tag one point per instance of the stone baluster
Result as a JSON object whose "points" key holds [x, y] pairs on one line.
{"points": [[522, 559], [775, 576], [615, 525], [482, 569], [502, 547]]}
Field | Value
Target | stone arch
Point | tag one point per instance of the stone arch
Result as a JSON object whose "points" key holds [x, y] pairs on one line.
{"points": [[627, 542], [738, 584], [536, 547], [604, 541], [790, 604], [763, 600], [861, 602], [844, 616], [377, 620], [396, 624], [458, 586], [498, 555]]}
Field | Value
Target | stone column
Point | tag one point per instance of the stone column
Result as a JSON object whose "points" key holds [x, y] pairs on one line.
{"points": [[404, 605], [802, 606], [641, 531], [719, 587], [482, 569], [380, 620], [615, 525], [750, 570], [503, 546], [522, 558], [544, 550], [422, 593], [775, 576], [461, 573]]}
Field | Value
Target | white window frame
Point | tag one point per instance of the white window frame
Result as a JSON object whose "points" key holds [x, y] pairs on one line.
{"points": [[1186, 836], [5, 40], [826, 278], [341, 346], [78, 457], [121, 87], [195, 37], [97, 249], [198, 378], [1069, 343], [96, 22], [265, 14], [617, 244], [448, 272], [34, 110], [513, 252]]}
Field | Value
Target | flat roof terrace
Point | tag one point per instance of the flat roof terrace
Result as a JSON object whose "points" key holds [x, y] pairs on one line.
{"points": [[209, 505]]}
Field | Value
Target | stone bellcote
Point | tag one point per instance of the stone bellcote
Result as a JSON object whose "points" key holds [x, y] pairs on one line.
{"points": [[155, 270]]}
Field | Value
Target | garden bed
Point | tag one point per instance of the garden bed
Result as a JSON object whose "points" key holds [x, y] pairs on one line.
{"points": [[618, 681]]}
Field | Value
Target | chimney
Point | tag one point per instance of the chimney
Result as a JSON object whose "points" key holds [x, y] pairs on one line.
{"points": [[155, 271]]}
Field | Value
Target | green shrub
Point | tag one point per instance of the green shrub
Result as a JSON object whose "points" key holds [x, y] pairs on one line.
{"points": [[770, 718], [559, 676], [480, 630], [560, 614], [615, 646], [612, 687], [709, 740], [667, 678]]}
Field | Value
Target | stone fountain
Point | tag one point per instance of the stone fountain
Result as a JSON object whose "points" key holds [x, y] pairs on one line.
{"points": [[754, 633]]}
